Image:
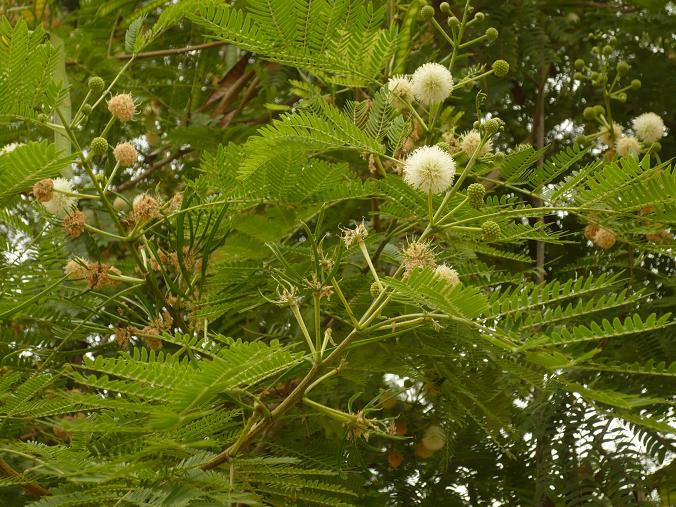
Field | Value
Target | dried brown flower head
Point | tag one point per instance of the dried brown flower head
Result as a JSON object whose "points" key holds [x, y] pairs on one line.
{"points": [[125, 154], [74, 223], [42, 190]]}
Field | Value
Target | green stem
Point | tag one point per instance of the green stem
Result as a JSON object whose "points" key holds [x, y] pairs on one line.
{"points": [[303, 328], [91, 228], [365, 253]]}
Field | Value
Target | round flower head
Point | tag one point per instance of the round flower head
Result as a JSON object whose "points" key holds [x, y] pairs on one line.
{"points": [[607, 138], [60, 203], [401, 91], [122, 107], [145, 208], [626, 145], [470, 142], [432, 83], [434, 438], [649, 127], [448, 274], [74, 223], [604, 238], [125, 154], [429, 169], [8, 148], [418, 255]]}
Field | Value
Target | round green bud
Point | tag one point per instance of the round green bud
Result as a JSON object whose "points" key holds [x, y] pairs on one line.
{"points": [[475, 195], [427, 12], [43, 118], [581, 140], [607, 49], [479, 16], [499, 156], [579, 64], [596, 50], [476, 124], [612, 41], [500, 68], [96, 84], [99, 145], [491, 230], [635, 84], [492, 126], [595, 76], [622, 97], [589, 113], [87, 109], [622, 68], [374, 289], [453, 22], [599, 109], [578, 76], [445, 8], [492, 33]]}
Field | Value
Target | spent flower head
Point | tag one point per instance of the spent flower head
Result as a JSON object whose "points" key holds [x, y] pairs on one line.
{"points": [[626, 145], [470, 142], [401, 91], [125, 154], [60, 203]]}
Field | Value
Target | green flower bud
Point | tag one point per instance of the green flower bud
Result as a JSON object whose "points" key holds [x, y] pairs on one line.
{"points": [[500, 68], [607, 49], [492, 33], [595, 76], [581, 140], [445, 8], [612, 41], [374, 289], [96, 84], [479, 16], [499, 156], [622, 97], [43, 118], [99, 145], [596, 50], [453, 22], [589, 113], [622, 68], [578, 76], [87, 109], [427, 12], [476, 124], [492, 126], [599, 109], [491, 231], [579, 64], [475, 195], [635, 84]]}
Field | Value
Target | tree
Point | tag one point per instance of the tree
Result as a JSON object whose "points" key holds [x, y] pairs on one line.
{"points": [[336, 253]]}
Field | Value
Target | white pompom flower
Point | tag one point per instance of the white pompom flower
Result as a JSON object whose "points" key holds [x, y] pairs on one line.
{"points": [[432, 83], [609, 139], [447, 274], [649, 127], [61, 203], [470, 142], [430, 169], [626, 145], [401, 90]]}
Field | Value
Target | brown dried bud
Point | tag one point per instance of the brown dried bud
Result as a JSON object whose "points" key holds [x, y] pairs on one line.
{"points": [[175, 202], [98, 275], [590, 231], [122, 335], [125, 154], [418, 255], [74, 224], [76, 269], [42, 190], [122, 107], [604, 238], [149, 337]]}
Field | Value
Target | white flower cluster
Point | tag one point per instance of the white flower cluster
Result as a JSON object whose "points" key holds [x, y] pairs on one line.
{"points": [[430, 169], [648, 127], [430, 84]]}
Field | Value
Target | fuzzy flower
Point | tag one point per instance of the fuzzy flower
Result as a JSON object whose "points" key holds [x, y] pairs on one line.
{"points": [[8, 148], [470, 142], [74, 223], [76, 268], [418, 255], [448, 274], [432, 83], [626, 145], [649, 127], [122, 107], [609, 139], [43, 189], [434, 438], [119, 204], [355, 235], [145, 208], [125, 154], [590, 231], [98, 275], [430, 169], [60, 203], [401, 91]]}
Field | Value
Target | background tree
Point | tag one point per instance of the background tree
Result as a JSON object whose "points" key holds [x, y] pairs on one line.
{"points": [[241, 170]]}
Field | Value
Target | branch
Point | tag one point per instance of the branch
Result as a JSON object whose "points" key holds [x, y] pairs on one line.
{"points": [[169, 52], [157, 165], [33, 489]]}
